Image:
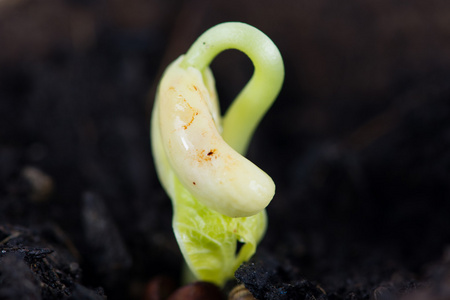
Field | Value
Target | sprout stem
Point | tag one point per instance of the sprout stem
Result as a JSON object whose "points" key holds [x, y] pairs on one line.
{"points": [[247, 110]]}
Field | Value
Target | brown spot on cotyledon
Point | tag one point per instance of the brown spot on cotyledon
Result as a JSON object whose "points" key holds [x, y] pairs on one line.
{"points": [[203, 156]]}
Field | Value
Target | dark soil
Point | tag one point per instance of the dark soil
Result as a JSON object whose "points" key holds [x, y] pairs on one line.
{"points": [[358, 144]]}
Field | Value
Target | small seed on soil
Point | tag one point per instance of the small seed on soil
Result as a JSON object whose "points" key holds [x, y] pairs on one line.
{"points": [[199, 290], [159, 288], [240, 292]]}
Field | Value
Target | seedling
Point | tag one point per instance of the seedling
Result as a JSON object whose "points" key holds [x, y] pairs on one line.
{"points": [[218, 196]]}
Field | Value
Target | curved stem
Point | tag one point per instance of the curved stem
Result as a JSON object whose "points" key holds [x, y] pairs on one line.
{"points": [[247, 110]]}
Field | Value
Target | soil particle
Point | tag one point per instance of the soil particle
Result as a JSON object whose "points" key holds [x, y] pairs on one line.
{"points": [[37, 265], [17, 280], [269, 279]]}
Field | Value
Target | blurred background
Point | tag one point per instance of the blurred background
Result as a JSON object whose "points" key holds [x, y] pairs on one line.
{"points": [[358, 141]]}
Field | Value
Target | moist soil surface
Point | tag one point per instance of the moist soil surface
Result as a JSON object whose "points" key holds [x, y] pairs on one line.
{"points": [[358, 144]]}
